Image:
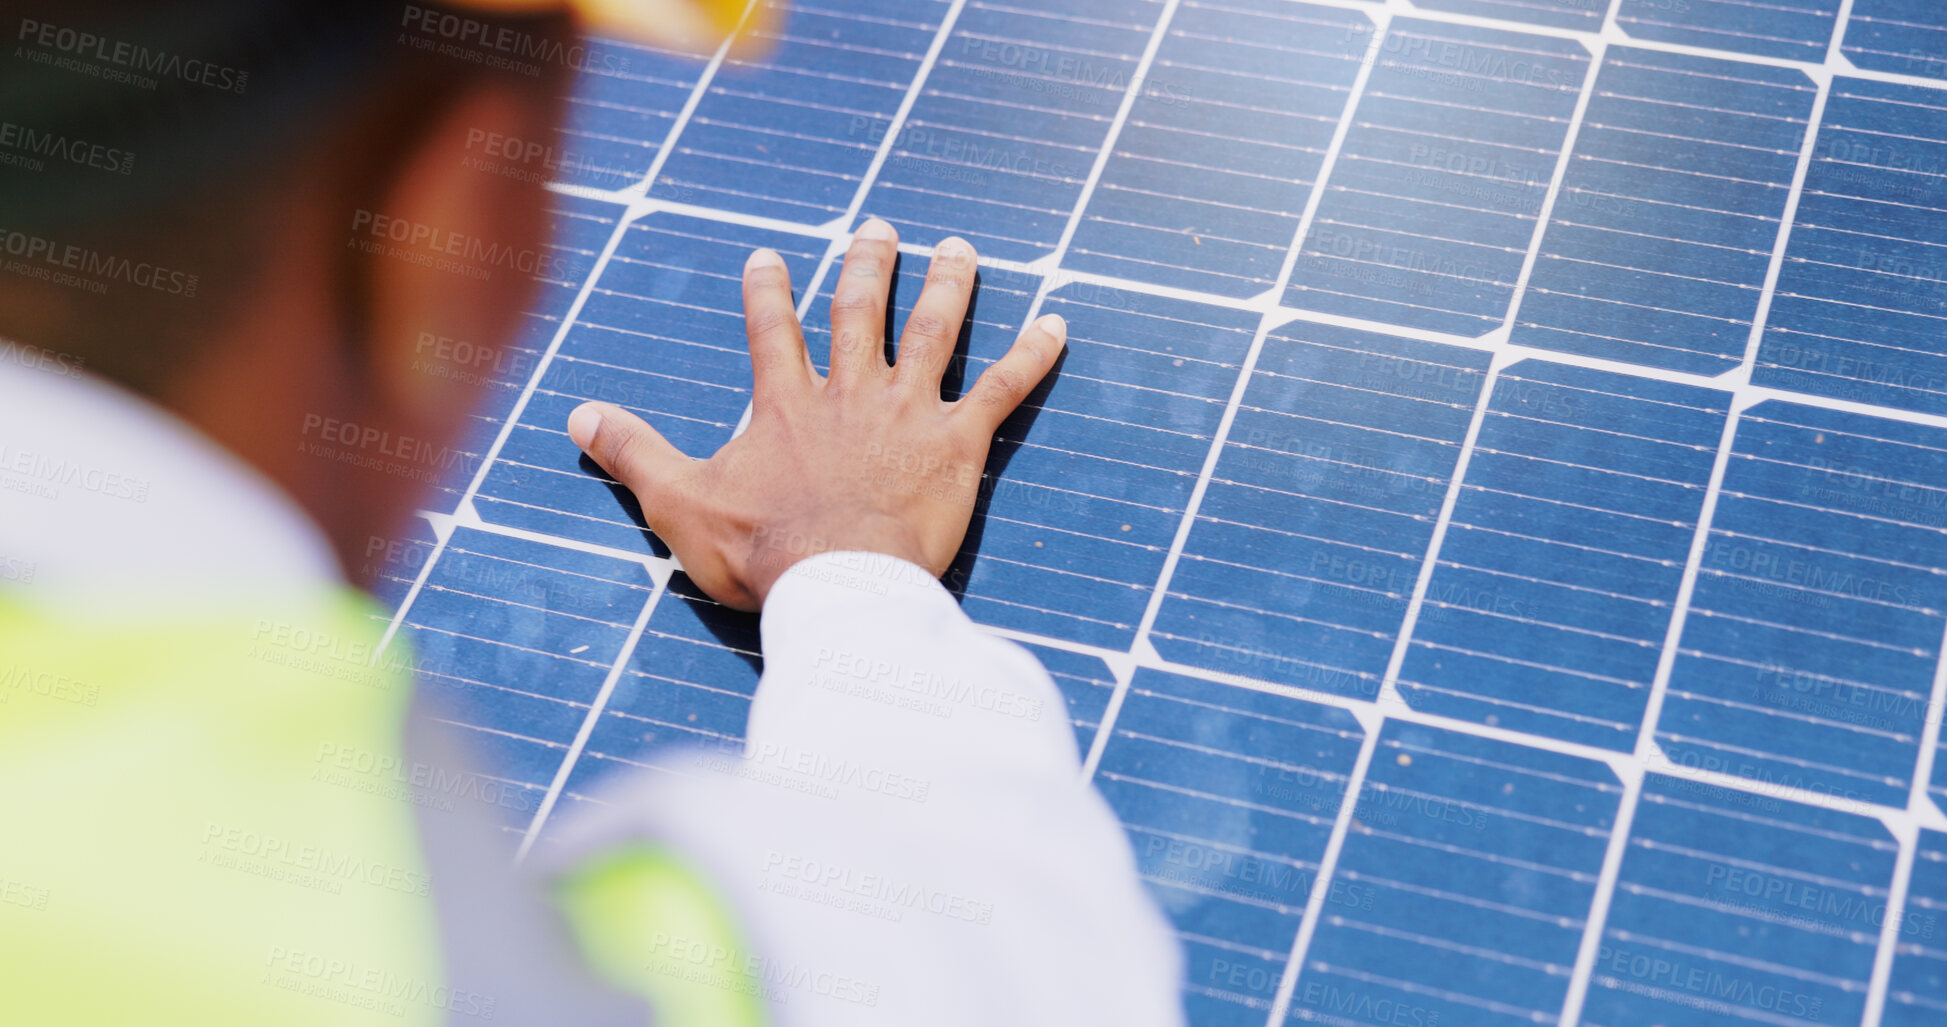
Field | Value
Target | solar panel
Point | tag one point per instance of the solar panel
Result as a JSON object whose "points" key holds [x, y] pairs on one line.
{"points": [[1487, 932], [1732, 905], [1211, 205], [1490, 523], [1790, 29], [1551, 593], [1860, 290], [1657, 248], [790, 134]]}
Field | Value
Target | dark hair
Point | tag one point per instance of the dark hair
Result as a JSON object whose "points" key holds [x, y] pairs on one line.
{"points": [[149, 145]]}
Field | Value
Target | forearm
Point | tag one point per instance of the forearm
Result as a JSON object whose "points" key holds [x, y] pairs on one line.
{"points": [[909, 817], [1035, 905]]}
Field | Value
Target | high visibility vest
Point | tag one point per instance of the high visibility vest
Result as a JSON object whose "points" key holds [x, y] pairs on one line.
{"points": [[212, 817]]}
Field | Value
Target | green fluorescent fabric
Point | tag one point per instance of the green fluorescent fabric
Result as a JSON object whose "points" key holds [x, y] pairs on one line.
{"points": [[200, 827], [651, 924], [172, 853]]}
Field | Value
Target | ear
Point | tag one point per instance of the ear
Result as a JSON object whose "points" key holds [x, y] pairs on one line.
{"points": [[449, 258]]}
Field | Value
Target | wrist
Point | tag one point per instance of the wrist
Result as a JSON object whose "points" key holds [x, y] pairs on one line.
{"points": [[775, 549]]}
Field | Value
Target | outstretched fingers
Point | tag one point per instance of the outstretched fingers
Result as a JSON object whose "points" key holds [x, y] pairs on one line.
{"points": [[1004, 386]]}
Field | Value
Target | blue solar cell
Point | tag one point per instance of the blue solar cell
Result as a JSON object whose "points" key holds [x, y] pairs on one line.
{"points": [[1211, 171], [688, 682], [1808, 655], [512, 640], [661, 334], [1229, 797], [1311, 532], [1863, 292], [1474, 864], [790, 131], [1585, 15], [1916, 995], [1430, 209], [1007, 126], [393, 564], [625, 101], [1937, 787], [1105, 459], [1657, 247], [578, 230], [1793, 29], [1085, 683], [1906, 37], [1553, 590], [1734, 906]]}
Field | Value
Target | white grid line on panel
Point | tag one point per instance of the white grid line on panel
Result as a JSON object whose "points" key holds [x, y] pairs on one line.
{"points": [[1907, 833], [1597, 51], [1328, 864], [1904, 823], [465, 506], [838, 230], [1646, 748], [588, 722]]}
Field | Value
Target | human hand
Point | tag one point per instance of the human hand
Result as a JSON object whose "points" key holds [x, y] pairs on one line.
{"points": [[868, 458]]}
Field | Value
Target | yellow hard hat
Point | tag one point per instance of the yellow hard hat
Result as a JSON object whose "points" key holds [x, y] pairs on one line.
{"points": [[697, 26]]}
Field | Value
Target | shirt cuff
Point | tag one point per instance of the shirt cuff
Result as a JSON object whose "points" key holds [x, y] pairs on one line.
{"points": [[865, 652], [850, 576]]}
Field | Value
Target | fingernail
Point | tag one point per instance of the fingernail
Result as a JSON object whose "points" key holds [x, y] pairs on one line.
{"points": [[952, 245], [876, 229], [1054, 325], [763, 257], [584, 423]]}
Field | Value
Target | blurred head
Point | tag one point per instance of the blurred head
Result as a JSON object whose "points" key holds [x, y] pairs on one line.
{"points": [[253, 212]]}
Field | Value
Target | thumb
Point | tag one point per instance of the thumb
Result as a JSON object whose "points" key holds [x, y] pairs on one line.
{"points": [[631, 451]]}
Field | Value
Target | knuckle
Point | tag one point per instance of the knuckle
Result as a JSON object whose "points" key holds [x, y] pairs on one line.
{"points": [[928, 326], [861, 261], [768, 361], [849, 341], [768, 321], [840, 391], [1003, 386], [930, 363], [621, 446], [770, 405], [857, 300]]}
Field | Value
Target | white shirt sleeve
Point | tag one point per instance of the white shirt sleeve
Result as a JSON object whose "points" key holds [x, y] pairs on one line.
{"points": [[906, 837]]}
